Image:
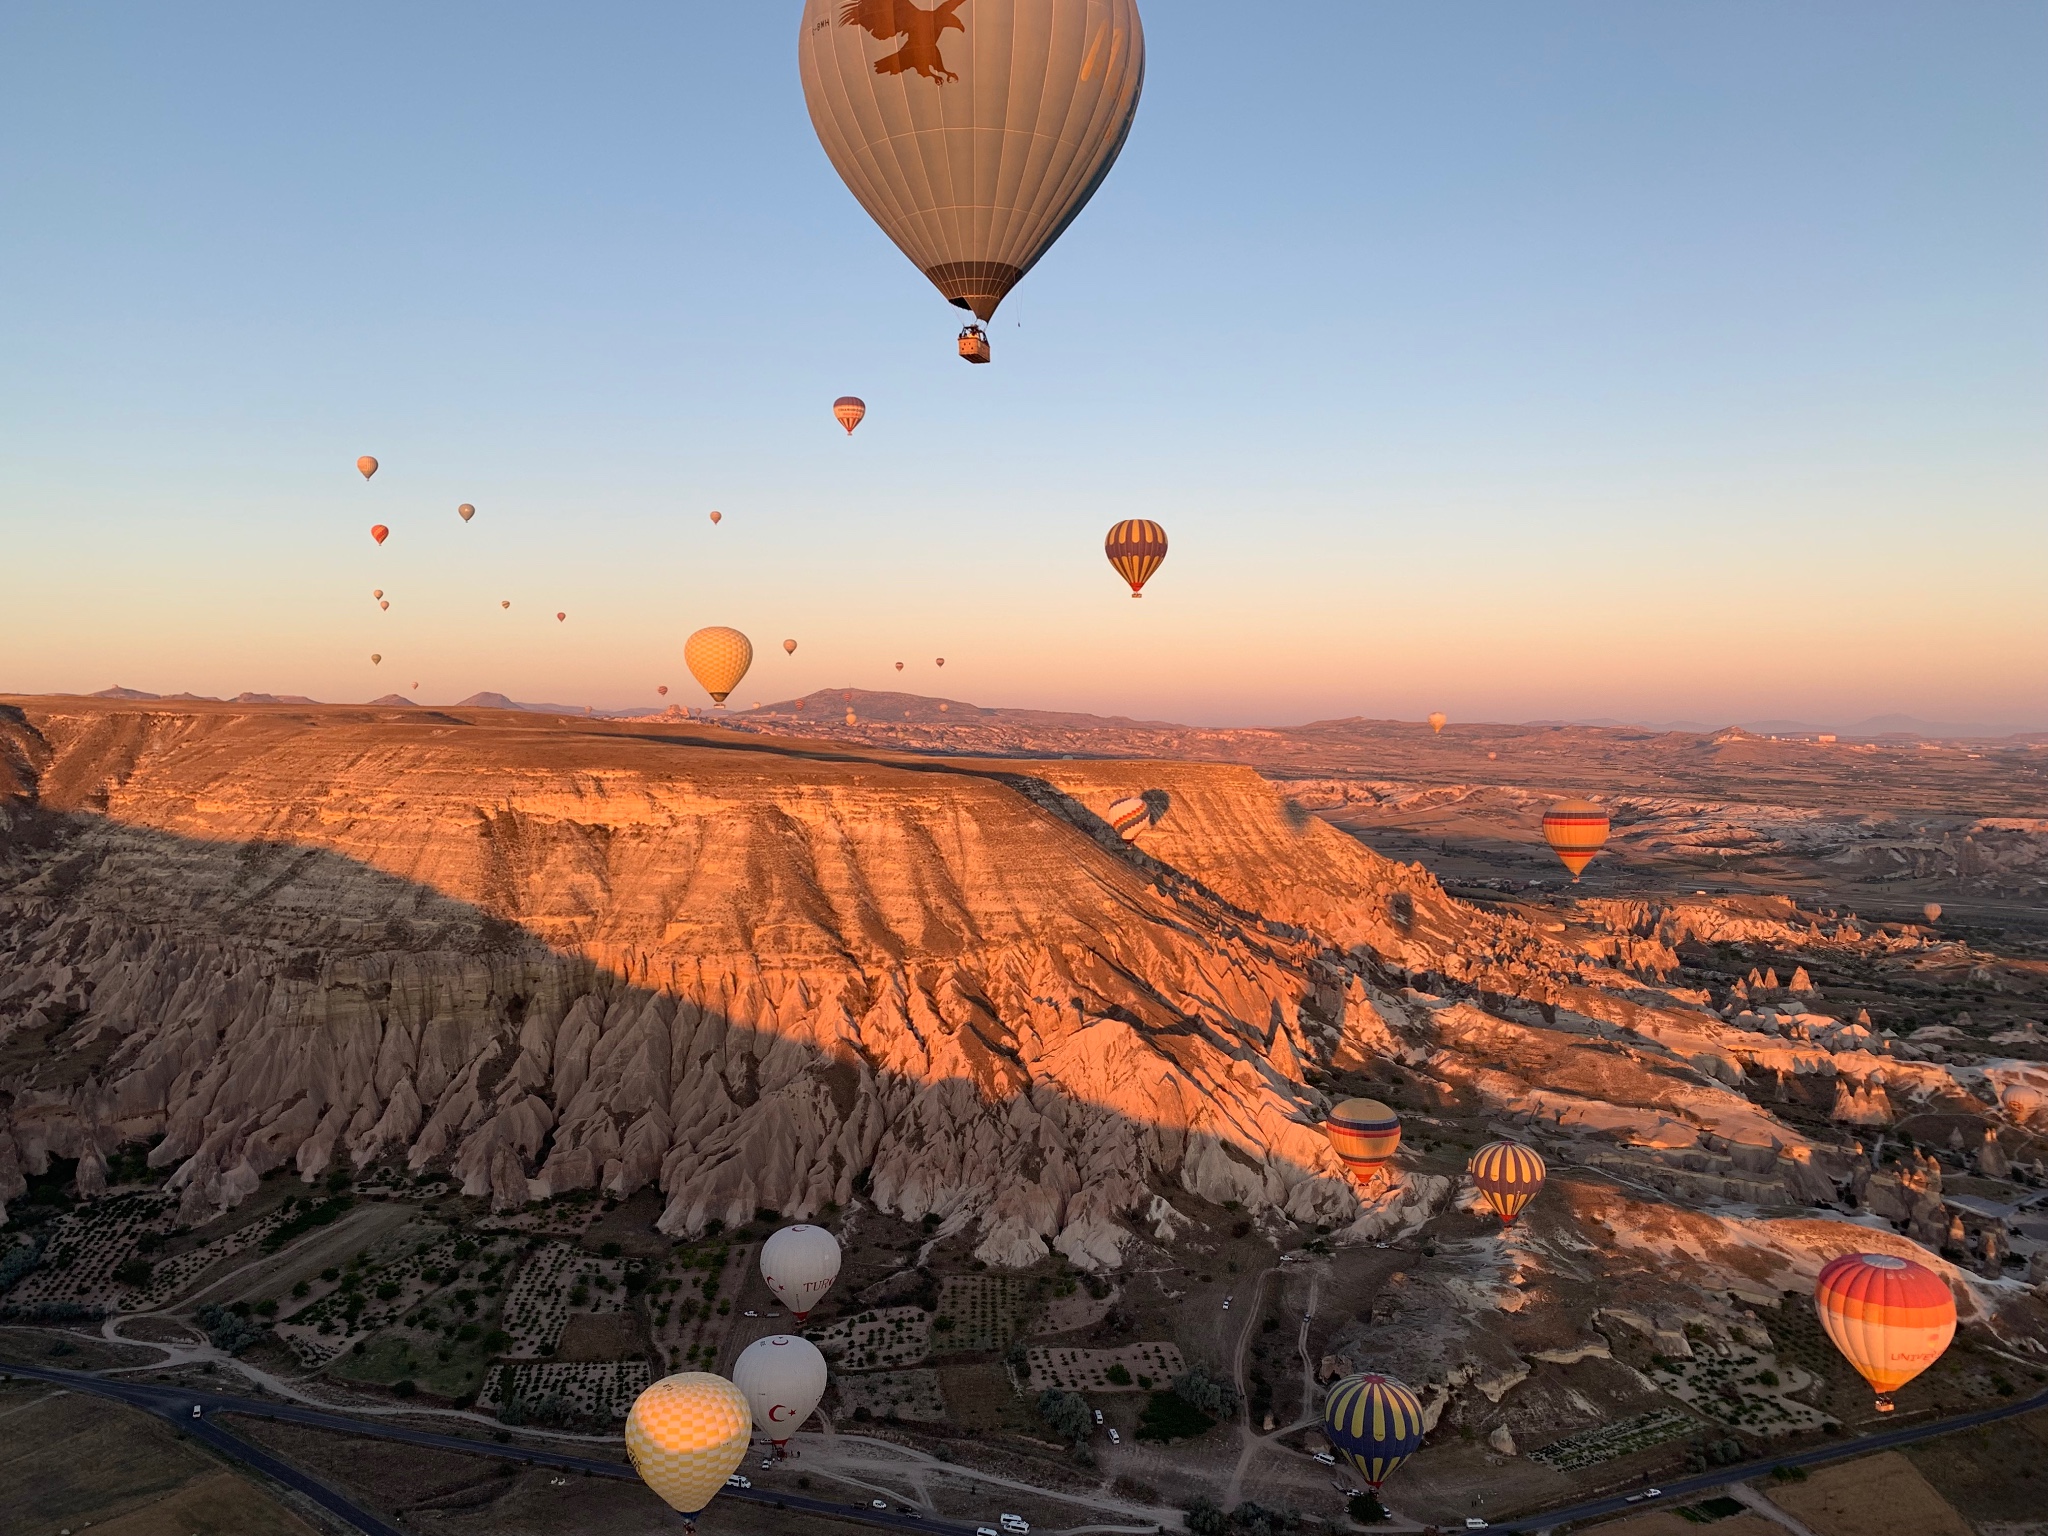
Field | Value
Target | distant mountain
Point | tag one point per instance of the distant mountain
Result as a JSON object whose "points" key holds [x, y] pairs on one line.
{"points": [[272, 698], [118, 692], [487, 701], [393, 699]]}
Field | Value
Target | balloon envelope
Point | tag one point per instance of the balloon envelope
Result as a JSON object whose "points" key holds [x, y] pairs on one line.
{"points": [[386, 603], [662, 690], [379, 532], [1509, 1175], [973, 133], [1932, 911], [789, 647], [1130, 817], [899, 666], [687, 1434], [1365, 1134], [377, 592], [465, 511], [784, 1378], [367, 466], [718, 517], [718, 658], [800, 1263], [851, 410], [939, 661], [1575, 830], [506, 604], [1438, 721], [376, 660], [1890, 1317], [1136, 548], [1375, 1423], [561, 618]]}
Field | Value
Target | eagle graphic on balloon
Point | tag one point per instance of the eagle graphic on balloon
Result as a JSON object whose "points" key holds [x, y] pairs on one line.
{"points": [[891, 19]]}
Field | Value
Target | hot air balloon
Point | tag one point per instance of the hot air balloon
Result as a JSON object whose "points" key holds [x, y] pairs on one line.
{"points": [[379, 532], [1508, 1174], [1365, 1134], [972, 134], [1438, 721], [850, 717], [367, 466], [1890, 1317], [561, 618], [1932, 911], [1576, 829], [376, 660], [415, 687], [789, 647], [718, 658], [465, 511], [385, 604], [899, 666], [850, 409], [1136, 548], [784, 1378], [718, 517], [1375, 1423], [1129, 818], [687, 1434], [506, 604], [939, 661], [662, 690], [377, 592], [800, 1263]]}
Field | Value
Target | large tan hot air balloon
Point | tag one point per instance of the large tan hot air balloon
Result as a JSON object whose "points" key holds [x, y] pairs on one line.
{"points": [[784, 1379], [1575, 830], [1136, 548], [687, 1434], [1890, 1317], [801, 1262], [367, 466], [972, 131], [718, 658], [850, 411], [1438, 721]]}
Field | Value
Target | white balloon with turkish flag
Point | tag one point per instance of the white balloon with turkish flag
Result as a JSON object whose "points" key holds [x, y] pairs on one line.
{"points": [[800, 1263], [784, 1378]]}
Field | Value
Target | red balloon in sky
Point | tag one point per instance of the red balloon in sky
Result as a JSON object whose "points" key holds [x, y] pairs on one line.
{"points": [[561, 618], [379, 532]]}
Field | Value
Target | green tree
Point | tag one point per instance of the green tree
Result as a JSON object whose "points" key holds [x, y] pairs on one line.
{"points": [[1066, 1413]]}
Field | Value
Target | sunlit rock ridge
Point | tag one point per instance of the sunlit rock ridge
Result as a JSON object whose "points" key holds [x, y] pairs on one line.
{"points": [[552, 954]]}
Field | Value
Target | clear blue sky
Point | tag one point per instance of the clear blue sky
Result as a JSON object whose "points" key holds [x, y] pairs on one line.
{"points": [[1649, 361]]}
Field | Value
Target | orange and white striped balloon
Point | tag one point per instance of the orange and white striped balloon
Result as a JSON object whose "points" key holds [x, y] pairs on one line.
{"points": [[1890, 1317], [1509, 1175], [1136, 548], [1365, 1134], [687, 1434], [849, 411], [1129, 818], [1575, 830]]}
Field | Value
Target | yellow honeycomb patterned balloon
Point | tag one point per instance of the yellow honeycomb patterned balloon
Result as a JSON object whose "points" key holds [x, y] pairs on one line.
{"points": [[687, 1434]]}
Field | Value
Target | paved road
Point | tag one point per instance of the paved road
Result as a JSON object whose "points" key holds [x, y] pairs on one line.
{"points": [[175, 1404], [1841, 1450]]}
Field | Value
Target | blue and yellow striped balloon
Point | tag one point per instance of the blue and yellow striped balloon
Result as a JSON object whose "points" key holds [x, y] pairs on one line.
{"points": [[1374, 1423], [1365, 1134], [1509, 1175]]}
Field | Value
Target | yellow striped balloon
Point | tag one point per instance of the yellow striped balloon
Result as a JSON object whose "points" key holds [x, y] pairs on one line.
{"points": [[1365, 1134], [687, 1434], [1136, 547], [1890, 1318], [1130, 817], [1374, 1423], [1509, 1175], [1575, 830]]}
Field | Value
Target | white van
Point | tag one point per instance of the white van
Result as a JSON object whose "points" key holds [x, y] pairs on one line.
{"points": [[1016, 1525]]}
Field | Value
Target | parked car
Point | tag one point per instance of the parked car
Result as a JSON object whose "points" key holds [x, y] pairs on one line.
{"points": [[878, 1503], [1016, 1525], [1114, 1437], [1326, 1458], [198, 1412], [1098, 1416], [736, 1481], [1474, 1523]]}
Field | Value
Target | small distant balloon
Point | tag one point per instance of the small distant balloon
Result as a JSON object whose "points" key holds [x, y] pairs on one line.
{"points": [[385, 604], [376, 660], [379, 532], [942, 708], [1130, 818], [718, 517], [367, 465], [1438, 721], [376, 592], [941, 661], [662, 690], [561, 618], [465, 511], [415, 687], [1932, 911], [1136, 548], [850, 409], [789, 647], [849, 717], [506, 604], [1491, 756], [899, 666]]}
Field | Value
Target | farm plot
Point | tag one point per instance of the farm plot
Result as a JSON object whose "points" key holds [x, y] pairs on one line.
{"points": [[914, 1396], [977, 1314], [887, 1336], [557, 1280], [1742, 1387], [689, 1303], [1134, 1368], [1604, 1442], [85, 1248], [554, 1392], [438, 1290]]}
